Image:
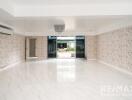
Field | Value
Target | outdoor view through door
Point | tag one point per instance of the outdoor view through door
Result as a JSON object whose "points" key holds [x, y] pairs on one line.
{"points": [[66, 47]]}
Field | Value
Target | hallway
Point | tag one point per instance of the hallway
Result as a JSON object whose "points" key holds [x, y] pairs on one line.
{"points": [[65, 49], [62, 79]]}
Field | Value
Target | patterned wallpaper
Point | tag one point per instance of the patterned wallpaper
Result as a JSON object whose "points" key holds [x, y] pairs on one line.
{"points": [[12, 49], [116, 48], [90, 46]]}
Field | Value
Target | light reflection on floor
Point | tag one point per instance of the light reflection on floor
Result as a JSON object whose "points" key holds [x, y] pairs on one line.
{"points": [[66, 73], [61, 79]]}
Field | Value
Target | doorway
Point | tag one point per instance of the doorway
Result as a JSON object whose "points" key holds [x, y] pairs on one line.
{"points": [[32, 47], [66, 47]]}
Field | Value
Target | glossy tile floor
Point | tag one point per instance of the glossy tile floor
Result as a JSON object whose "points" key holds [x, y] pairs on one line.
{"points": [[63, 79]]}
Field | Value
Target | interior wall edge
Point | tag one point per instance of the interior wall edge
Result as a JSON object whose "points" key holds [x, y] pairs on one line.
{"points": [[116, 67], [90, 47], [113, 30], [11, 65]]}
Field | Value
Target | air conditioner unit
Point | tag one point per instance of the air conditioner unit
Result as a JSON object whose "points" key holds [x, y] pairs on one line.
{"points": [[4, 29]]}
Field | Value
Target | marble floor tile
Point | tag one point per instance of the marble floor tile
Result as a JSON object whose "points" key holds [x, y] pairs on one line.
{"points": [[64, 79]]}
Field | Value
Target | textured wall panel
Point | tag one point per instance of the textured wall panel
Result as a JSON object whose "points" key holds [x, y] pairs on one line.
{"points": [[90, 47], [116, 48], [12, 49]]}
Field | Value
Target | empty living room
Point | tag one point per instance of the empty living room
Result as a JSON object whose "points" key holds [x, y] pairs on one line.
{"points": [[65, 50]]}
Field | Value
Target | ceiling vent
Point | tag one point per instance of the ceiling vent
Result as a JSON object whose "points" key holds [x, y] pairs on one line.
{"points": [[59, 27]]}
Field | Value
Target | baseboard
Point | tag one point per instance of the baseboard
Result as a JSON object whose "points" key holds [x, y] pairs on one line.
{"points": [[91, 59], [116, 67], [10, 66]]}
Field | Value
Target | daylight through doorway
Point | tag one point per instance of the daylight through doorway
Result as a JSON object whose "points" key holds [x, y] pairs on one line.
{"points": [[66, 47]]}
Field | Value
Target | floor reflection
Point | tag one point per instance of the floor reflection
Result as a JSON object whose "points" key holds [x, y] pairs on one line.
{"points": [[61, 79], [66, 73]]}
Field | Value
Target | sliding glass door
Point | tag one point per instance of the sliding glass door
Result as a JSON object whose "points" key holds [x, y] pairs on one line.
{"points": [[52, 46], [80, 46]]}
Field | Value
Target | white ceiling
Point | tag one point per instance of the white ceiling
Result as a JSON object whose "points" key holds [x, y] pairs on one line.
{"points": [[64, 2], [88, 17], [28, 8], [88, 25]]}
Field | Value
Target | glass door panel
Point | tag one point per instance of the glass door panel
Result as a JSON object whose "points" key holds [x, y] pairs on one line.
{"points": [[51, 46], [80, 47]]}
